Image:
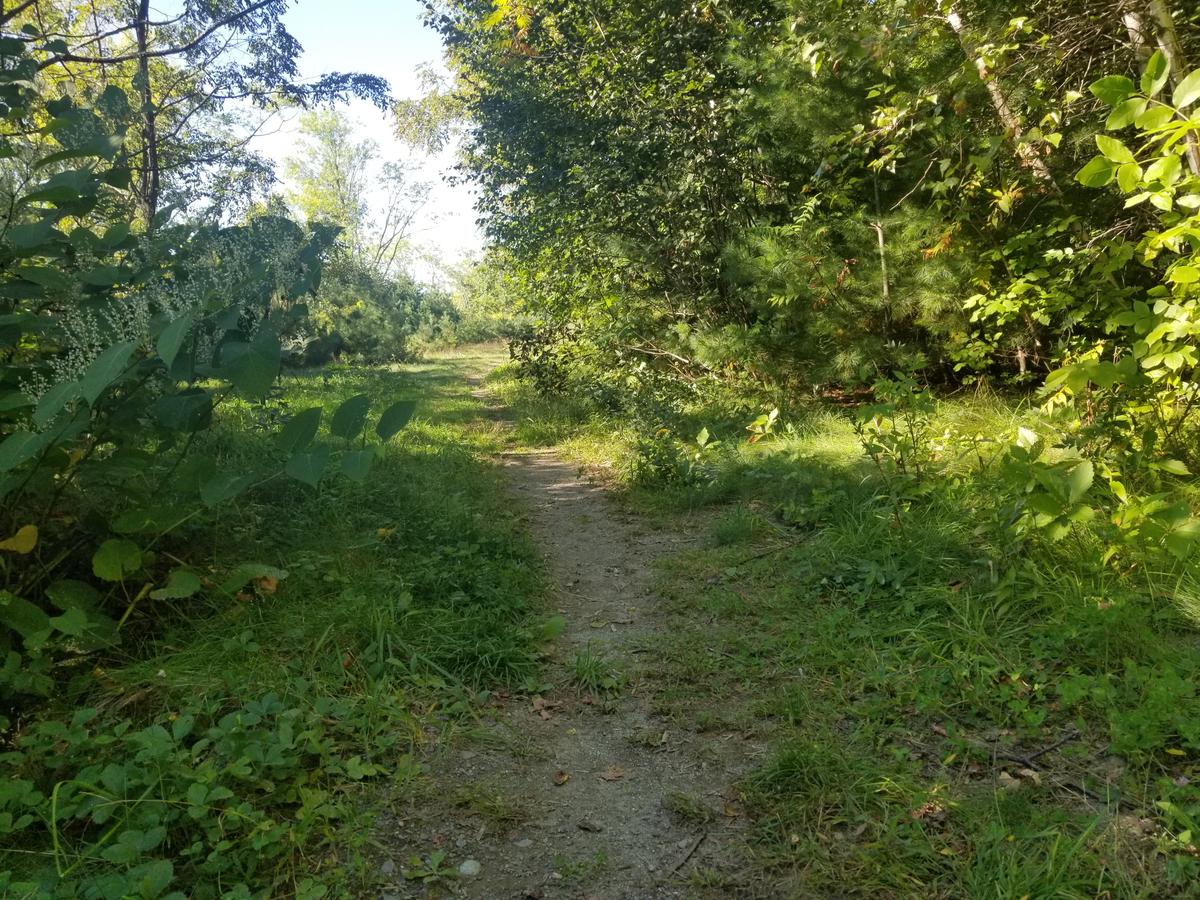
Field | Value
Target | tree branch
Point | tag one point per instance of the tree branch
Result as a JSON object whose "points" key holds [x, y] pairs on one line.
{"points": [[168, 51]]}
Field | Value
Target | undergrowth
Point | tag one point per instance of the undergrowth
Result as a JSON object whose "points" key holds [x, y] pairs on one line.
{"points": [[241, 749], [952, 705]]}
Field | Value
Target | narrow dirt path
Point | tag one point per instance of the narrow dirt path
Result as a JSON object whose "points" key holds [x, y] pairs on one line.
{"points": [[578, 793]]}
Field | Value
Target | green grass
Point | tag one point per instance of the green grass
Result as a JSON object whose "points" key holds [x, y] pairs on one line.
{"points": [[901, 666], [594, 673], [406, 597]]}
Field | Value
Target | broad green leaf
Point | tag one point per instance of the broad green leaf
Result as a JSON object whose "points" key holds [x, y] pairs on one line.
{"points": [[104, 370], [149, 519], [105, 145], [1125, 113], [186, 411], [102, 276], [356, 464], [350, 417], [151, 879], [1113, 149], [308, 466], [223, 486], [1154, 117], [1184, 274], [299, 431], [62, 187], [1166, 169], [1112, 89], [22, 616], [181, 584], [1181, 540], [253, 366], [115, 559], [71, 594], [1129, 176], [1174, 466], [1096, 173], [394, 418], [172, 338], [115, 236], [14, 400], [54, 401], [114, 102], [1079, 480], [73, 622], [1154, 76], [30, 235], [19, 447], [1187, 91], [45, 276], [246, 572]]}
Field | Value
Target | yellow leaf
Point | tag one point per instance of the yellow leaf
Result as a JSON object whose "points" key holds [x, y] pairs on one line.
{"points": [[1171, 750], [23, 541], [498, 14]]}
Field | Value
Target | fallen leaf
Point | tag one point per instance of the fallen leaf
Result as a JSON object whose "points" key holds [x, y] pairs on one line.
{"points": [[929, 811], [561, 777], [23, 541], [266, 584], [542, 707], [1030, 774], [939, 729], [612, 773], [385, 533]]}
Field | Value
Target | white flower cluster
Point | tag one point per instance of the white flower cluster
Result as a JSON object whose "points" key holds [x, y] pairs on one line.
{"points": [[212, 271]]}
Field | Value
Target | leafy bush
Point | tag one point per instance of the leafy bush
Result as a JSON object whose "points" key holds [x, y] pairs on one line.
{"points": [[120, 346], [219, 799]]}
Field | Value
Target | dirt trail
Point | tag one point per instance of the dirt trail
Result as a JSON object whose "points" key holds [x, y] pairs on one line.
{"points": [[614, 803]]}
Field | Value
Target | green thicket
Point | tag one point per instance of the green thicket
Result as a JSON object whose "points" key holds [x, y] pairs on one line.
{"points": [[159, 489], [806, 193], [764, 200]]}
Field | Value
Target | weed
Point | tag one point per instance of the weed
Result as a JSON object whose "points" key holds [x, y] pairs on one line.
{"points": [[491, 804], [591, 671], [688, 808], [737, 526], [429, 869], [581, 869]]}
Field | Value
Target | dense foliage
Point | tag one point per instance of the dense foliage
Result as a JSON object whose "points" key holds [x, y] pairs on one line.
{"points": [[810, 193], [800, 195], [141, 303]]}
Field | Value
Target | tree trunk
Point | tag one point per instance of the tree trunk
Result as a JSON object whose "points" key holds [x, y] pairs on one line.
{"points": [[1029, 157], [1136, 26], [150, 181], [1168, 43]]}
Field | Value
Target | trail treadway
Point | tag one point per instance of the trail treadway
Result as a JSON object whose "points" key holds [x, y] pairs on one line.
{"points": [[618, 803]]}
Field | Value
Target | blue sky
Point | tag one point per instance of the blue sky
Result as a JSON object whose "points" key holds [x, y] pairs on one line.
{"points": [[385, 38]]}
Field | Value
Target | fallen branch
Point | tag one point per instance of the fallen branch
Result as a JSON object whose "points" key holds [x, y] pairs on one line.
{"points": [[691, 852]]}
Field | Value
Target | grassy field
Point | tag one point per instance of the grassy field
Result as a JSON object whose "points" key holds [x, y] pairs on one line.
{"points": [[947, 713], [244, 747]]}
